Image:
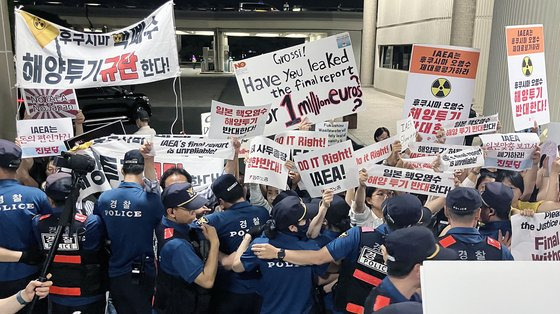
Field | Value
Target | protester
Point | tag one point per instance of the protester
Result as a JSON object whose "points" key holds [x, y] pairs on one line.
{"points": [[485, 178], [142, 122], [23, 297], [366, 210], [382, 133], [495, 211]]}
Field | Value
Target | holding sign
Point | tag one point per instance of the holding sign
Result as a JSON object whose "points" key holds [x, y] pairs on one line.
{"points": [[193, 146], [374, 153], [433, 149], [266, 163], [509, 151], [536, 238], [301, 142], [527, 76], [406, 133], [236, 121], [462, 160], [333, 168], [42, 138], [472, 126], [50, 104], [336, 131], [318, 80], [411, 181]]}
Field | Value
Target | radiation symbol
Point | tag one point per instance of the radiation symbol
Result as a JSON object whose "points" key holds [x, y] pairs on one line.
{"points": [[527, 66], [441, 87], [39, 23]]}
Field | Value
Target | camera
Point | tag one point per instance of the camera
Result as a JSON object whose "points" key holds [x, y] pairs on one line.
{"points": [[81, 164]]}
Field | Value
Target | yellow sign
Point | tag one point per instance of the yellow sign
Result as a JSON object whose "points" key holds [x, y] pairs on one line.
{"points": [[43, 31]]}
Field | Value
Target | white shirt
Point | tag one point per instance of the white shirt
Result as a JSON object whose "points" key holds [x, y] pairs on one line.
{"points": [[365, 219], [145, 130]]}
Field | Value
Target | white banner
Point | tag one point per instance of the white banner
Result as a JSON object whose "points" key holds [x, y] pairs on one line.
{"points": [[511, 151], [374, 153], [192, 146], [318, 80], [229, 121], [50, 103], [333, 168], [478, 125], [440, 87], [421, 149], [527, 75], [337, 131], [42, 138], [412, 181], [425, 163], [266, 163], [52, 56], [536, 238], [462, 160], [406, 133], [205, 123]]}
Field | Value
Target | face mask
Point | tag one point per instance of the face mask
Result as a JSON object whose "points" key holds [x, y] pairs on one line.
{"points": [[302, 230]]}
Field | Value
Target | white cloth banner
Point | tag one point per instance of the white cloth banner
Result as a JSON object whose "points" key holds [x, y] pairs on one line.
{"points": [[318, 80], [52, 56], [421, 149], [406, 133], [478, 125], [527, 76], [374, 153], [45, 137], [412, 181], [462, 160], [266, 163], [50, 104], [440, 87], [193, 146], [333, 168], [337, 131], [511, 151], [229, 121], [536, 238]]}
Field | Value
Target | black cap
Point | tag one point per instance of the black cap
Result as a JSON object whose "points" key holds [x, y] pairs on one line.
{"points": [[498, 196], [282, 195], [142, 114], [407, 247], [289, 211], [405, 210], [133, 157], [227, 188], [58, 186], [338, 210], [182, 195], [463, 201], [409, 307], [10, 154]]}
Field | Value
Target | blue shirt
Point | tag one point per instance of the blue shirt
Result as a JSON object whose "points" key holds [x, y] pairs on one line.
{"points": [[93, 240], [130, 215], [347, 245], [326, 237], [177, 257], [490, 229], [18, 205], [387, 289], [231, 225], [284, 287], [471, 235]]}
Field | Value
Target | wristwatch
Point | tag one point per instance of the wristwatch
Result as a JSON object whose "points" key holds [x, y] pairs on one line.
{"points": [[281, 254], [20, 299]]}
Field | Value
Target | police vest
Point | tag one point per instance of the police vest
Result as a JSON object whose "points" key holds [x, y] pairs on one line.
{"points": [[173, 294], [487, 250], [358, 277], [76, 272]]}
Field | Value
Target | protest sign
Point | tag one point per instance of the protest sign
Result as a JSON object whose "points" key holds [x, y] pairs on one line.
{"points": [[465, 159], [50, 103], [95, 181], [266, 163], [45, 137], [432, 149], [497, 286], [318, 80], [478, 125], [527, 75], [425, 163], [301, 142], [104, 130], [536, 238], [236, 121], [374, 153], [333, 167], [553, 132], [511, 151], [549, 149], [337, 131], [52, 56], [406, 133], [440, 87], [412, 181], [202, 170], [205, 123], [192, 146]]}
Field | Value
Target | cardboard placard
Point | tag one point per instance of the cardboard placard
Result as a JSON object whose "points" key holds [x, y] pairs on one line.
{"points": [[45, 137]]}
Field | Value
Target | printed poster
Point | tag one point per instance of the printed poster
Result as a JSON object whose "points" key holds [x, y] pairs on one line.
{"points": [[536, 238], [266, 163], [512, 151], [45, 137], [301, 142], [474, 126], [337, 131], [50, 103], [229, 121], [374, 153]]}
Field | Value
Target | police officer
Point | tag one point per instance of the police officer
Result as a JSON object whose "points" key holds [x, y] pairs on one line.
{"points": [[495, 210], [404, 251], [183, 278], [234, 293], [462, 208], [359, 249], [284, 287], [80, 267], [18, 205], [131, 214]]}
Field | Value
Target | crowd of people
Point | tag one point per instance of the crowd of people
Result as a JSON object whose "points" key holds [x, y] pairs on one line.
{"points": [[159, 246]]}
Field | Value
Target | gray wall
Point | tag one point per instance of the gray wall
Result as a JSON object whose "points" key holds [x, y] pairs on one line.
{"points": [[520, 12]]}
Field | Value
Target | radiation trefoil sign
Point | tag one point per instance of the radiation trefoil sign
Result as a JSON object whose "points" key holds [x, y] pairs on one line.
{"points": [[527, 76], [440, 87]]}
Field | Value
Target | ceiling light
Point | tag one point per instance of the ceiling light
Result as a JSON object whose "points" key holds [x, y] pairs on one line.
{"points": [[237, 34], [267, 35], [297, 36]]}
